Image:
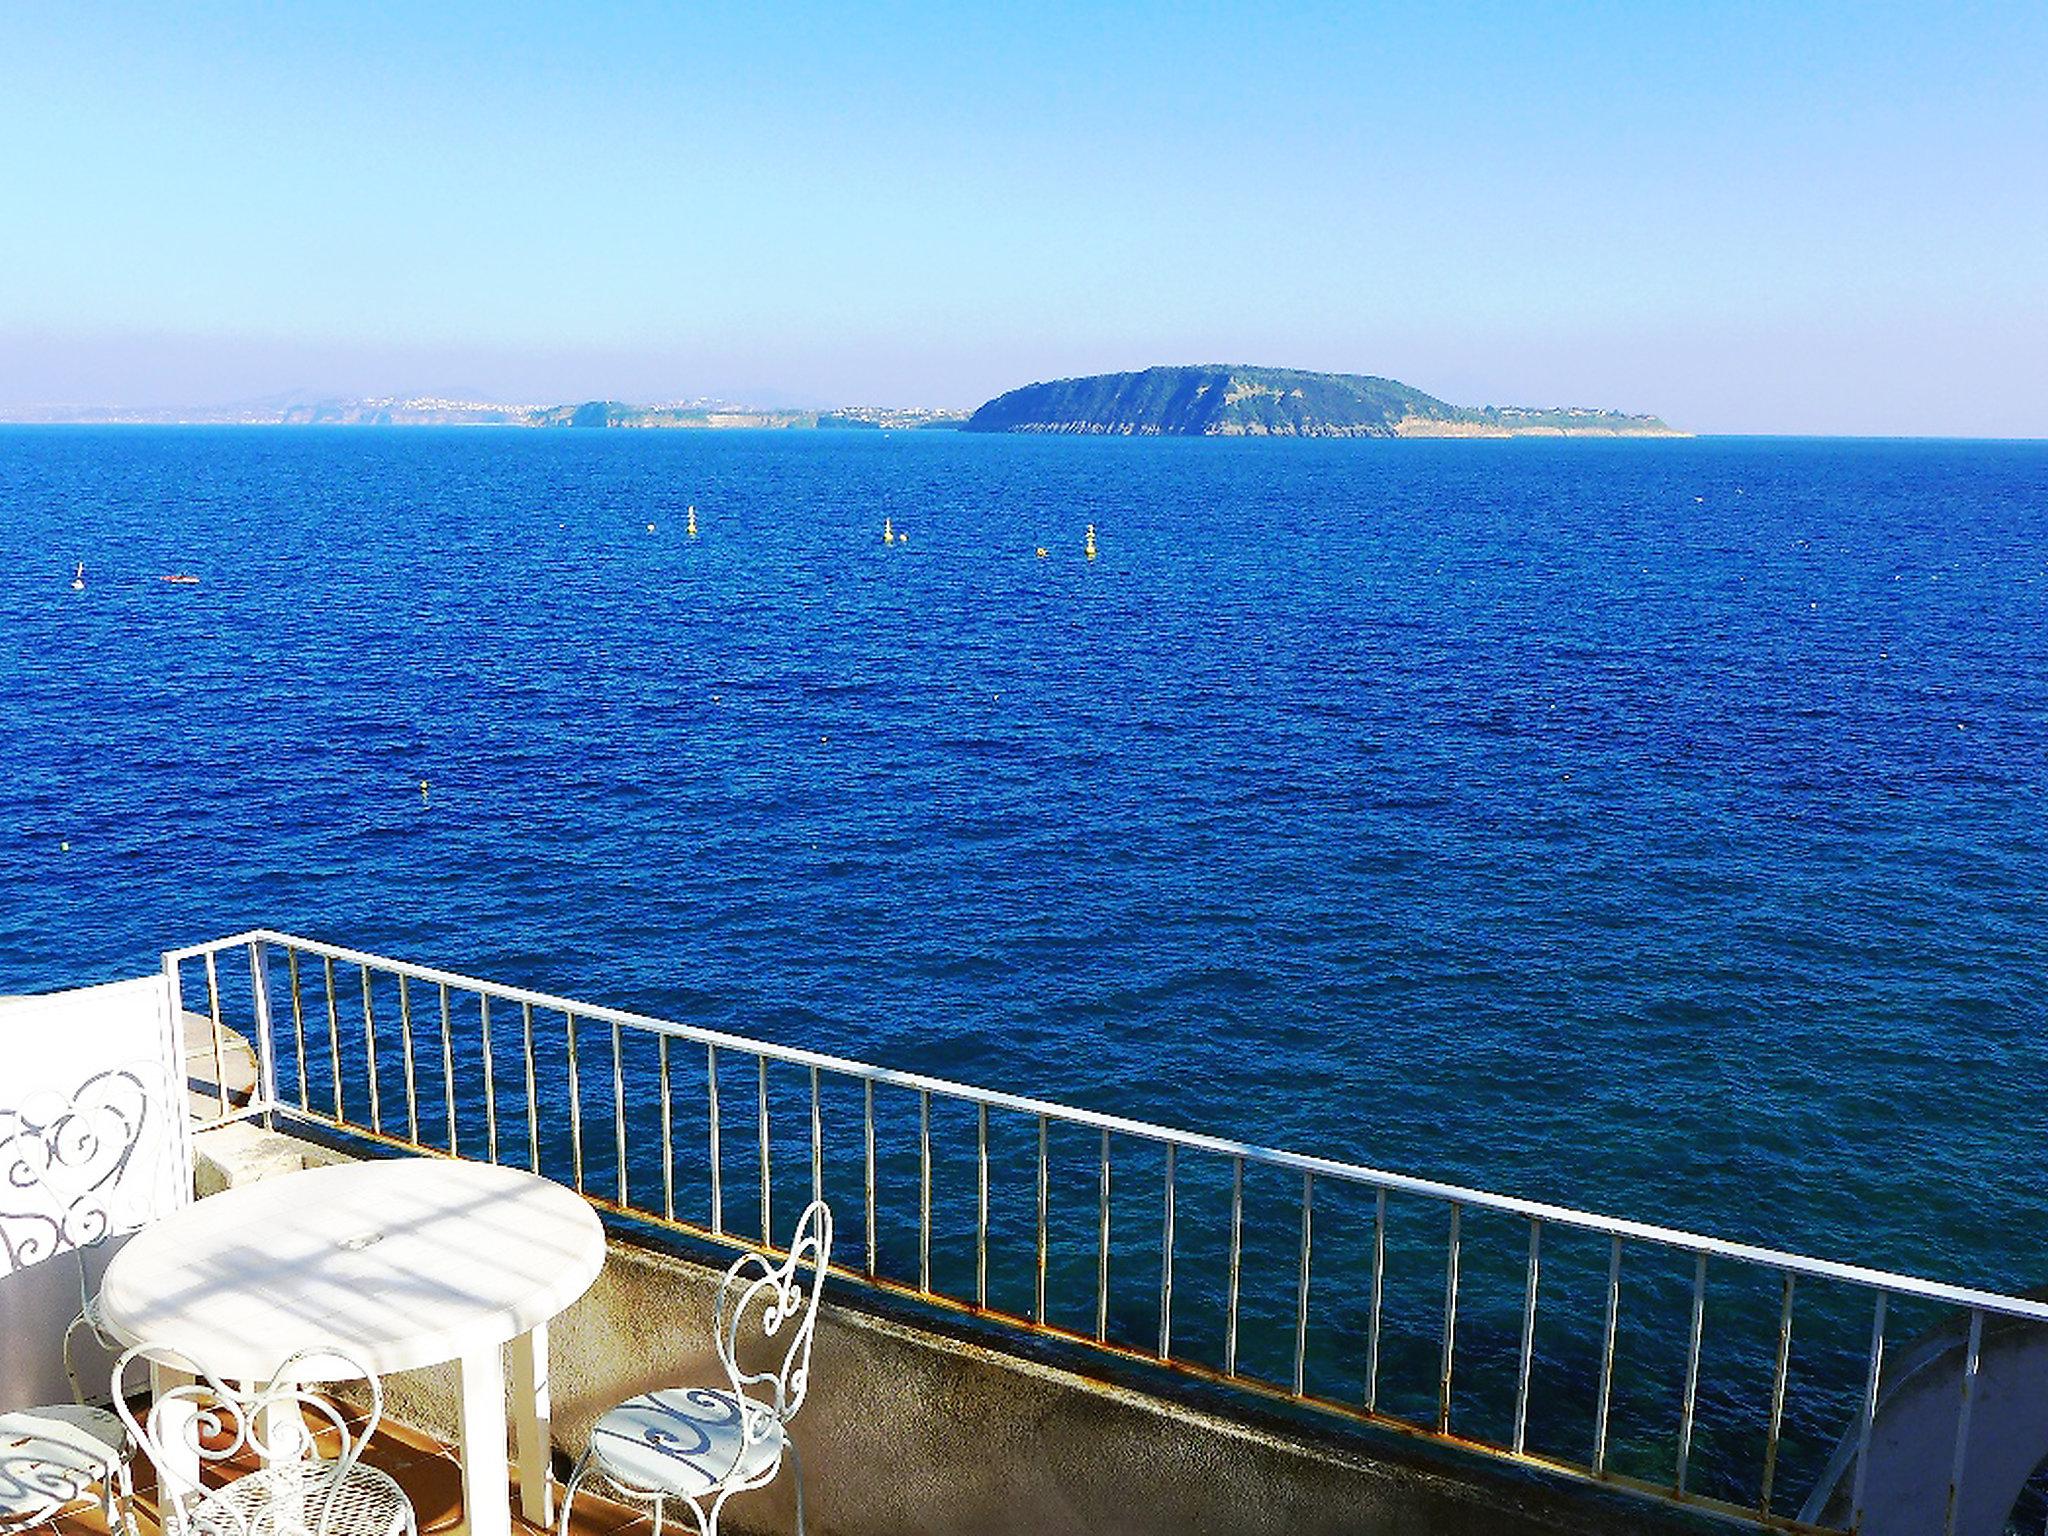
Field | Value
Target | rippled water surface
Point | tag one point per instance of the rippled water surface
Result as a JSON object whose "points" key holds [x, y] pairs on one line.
{"points": [[1651, 826]]}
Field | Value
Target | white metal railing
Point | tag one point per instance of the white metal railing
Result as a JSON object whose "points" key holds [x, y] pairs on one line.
{"points": [[336, 1075]]}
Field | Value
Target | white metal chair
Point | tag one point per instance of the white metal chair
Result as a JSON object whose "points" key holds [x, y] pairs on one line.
{"points": [[63, 1163], [700, 1445], [304, 1474], [61, 1459]]}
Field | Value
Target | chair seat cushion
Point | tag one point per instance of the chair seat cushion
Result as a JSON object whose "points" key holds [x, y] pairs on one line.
{"points": [[50, 1457], [306, 1496], [687, 1440]]}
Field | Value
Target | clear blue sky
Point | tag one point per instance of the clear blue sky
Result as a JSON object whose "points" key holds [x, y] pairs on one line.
{"points": [[1746, 217]]}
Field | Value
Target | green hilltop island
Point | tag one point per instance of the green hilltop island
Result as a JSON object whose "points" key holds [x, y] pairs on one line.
{"points": [[1224, 400]]}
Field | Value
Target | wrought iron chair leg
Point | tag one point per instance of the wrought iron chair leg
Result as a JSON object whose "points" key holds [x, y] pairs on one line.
{"points": [[797, 1462], [121, 1502], [71, 1360], [576, 1476]]}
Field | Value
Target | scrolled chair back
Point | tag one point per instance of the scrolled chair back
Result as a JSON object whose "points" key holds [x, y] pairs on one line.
{"points": [[205, 1421], [65, 1163], [759, 1299]]}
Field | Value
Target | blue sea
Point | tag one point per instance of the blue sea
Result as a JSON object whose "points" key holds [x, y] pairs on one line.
{"points": [[1659, 827]]}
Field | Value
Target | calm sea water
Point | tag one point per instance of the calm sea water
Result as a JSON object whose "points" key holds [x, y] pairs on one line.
{"points": [[1657, 827]]}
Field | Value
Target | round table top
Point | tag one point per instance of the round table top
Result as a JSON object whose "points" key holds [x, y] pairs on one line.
{"points": [[402, 1263]]}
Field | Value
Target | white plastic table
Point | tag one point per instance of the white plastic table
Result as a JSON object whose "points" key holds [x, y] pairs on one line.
{"points": [[402, 1263]]}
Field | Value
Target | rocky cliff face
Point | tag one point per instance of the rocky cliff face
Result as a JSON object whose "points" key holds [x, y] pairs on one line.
{"points": [[1228, 401]]}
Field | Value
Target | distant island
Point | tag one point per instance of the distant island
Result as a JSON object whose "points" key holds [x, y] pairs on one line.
{"points": [[1224, 400]]}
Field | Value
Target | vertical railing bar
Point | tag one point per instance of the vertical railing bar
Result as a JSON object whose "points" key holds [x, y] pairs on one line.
{"points": [[668, 1138], [1379, 1290], [412, 1097], [1444, 1364], [291, 961], [1868, 1415], [981, 1208], [817, 1142], [717, 1183], [1166, 1263], [1778, 1394], [619, 1116], [868, 1163], [1692, 1370], [1971, 1361], [1044, 1203], [767, 1156], [181, 1084], [575, 1102], [448, 1070], [370, 1051], [333, 1035], [1102, 1251], [532, 1088], [1528, 1355], [1607, 1357], [220, 1058], [1236, 1265], [266, 1039], [924, 1190], [1308, 1205], [483, 1003]]}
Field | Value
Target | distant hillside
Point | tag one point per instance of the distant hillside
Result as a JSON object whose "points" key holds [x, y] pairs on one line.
{"points": [[615, 413], [1220, 400], [298, 410]]}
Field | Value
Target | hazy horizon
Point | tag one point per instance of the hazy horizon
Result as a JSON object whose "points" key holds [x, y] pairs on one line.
{"points": [[1766, 221]]}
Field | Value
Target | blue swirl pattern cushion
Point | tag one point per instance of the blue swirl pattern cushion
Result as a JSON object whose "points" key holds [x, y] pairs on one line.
{"points": [[685, 1440]]}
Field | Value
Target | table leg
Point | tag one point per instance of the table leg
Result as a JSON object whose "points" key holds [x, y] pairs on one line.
{"points": [[532, 1425], [174, 1428], [486, 1494]]}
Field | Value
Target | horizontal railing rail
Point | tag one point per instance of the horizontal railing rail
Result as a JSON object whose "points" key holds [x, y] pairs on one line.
{"points": [[299, 1033]]}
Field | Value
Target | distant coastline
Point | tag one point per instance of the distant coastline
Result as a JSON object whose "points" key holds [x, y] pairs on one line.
{"points": [[1208, 400], [436, 411]]}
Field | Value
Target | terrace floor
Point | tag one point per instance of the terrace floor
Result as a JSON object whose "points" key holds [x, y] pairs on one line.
{"points": [[425, 1468]]}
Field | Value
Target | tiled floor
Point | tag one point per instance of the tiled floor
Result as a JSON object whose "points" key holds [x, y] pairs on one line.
{"points": [[425, 1468]]}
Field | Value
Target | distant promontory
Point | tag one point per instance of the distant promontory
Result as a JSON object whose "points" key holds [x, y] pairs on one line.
{"points": [[1224, 400]]}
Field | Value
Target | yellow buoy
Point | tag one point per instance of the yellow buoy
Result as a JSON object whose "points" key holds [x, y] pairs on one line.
{"points": [[1091, 541], [691, 527], [1041, 551], [888, 530], [423, 791]]}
